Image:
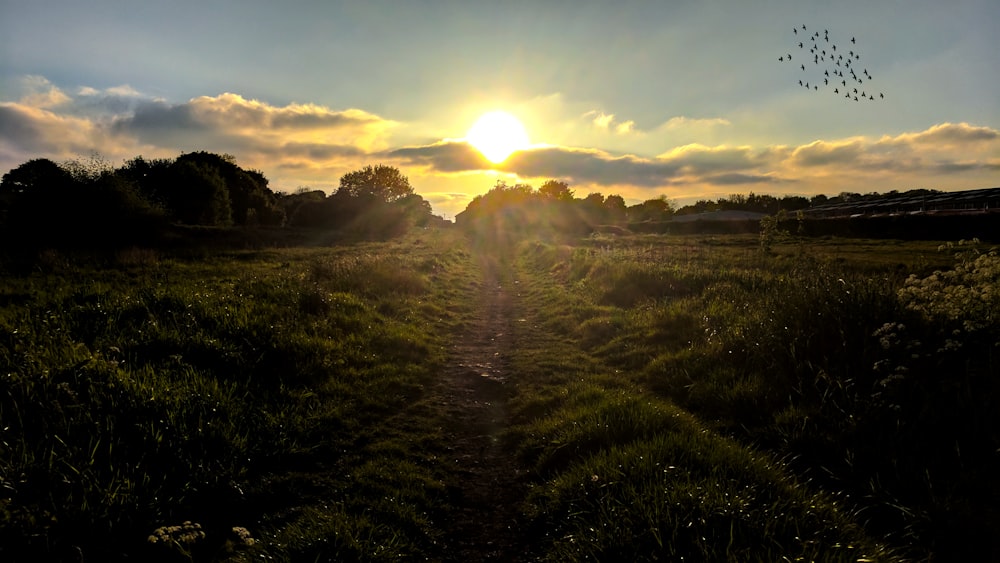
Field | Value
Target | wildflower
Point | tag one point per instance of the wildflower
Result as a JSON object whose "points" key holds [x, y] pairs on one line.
{"points": [[243, 536], [186, 534]]}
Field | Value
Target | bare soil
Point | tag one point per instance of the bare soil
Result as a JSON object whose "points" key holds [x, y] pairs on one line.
{"points": [[473, 389]]}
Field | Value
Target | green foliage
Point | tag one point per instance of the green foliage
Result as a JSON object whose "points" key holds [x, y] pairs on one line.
{"points": [[771, 231], [870, 384], [90, 204], [138, 397], [657, 209], [556, 189], [670, 397], [381, 183]]}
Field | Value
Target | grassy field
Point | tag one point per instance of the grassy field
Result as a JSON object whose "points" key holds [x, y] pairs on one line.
{"points": [[671, 397]]}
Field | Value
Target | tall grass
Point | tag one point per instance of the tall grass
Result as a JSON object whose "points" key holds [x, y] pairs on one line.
{"points": [[868, 384], [673, 397], [143, 394]]}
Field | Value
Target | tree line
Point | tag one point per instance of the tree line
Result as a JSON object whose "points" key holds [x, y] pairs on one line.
{"points": [[771, 205], [92, 203], [509, 211], [45, 204]]}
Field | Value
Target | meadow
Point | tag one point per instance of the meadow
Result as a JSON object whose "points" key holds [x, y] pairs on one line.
{"points": [[667, 397]]}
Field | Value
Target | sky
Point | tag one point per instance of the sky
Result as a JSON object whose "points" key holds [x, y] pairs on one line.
{"points": [[685, 99]]}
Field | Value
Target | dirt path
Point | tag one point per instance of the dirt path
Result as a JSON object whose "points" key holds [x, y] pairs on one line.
{"points": [[473, 390]]}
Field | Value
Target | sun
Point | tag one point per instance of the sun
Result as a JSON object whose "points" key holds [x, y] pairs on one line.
{"points": [[497, 134]]}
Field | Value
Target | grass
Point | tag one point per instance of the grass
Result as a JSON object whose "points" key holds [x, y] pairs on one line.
{"points": [[145, 393], [787, 354], [673, 397], [624, 470]]}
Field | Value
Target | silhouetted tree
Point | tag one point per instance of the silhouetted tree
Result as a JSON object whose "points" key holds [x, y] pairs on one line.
{"points": [[416, 210], [150, 176], [382, 183], [592, 209], [615, 209], [306, 209], [32, 193], [700, 206], [40, 175], [818, 199], [78, 203], [251, 202], [199, 195], [503, 215], [658, 209], [793, 203], [556, 190]]}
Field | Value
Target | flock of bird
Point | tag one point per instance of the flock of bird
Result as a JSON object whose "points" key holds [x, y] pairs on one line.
{"points": [[842, 69]]}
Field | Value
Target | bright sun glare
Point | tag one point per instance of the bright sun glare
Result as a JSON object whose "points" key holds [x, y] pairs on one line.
{"points": [[497, 134]]}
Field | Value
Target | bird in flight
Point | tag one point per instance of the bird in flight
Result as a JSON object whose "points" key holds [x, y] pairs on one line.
{"points": [[827, 61]]}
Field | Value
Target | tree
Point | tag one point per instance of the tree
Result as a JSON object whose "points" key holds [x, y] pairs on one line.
{"points": [[557, 190], [381, 183], [35, 193], [794, 202], [251, 202], [199, 195], [818, 199], [592, 209], [615, 206], [151, 176], [658, 209]]}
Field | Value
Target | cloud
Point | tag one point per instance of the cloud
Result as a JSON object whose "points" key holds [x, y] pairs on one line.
{"points": [[737, 179], [444, 156], [940, 148], [308, 144], [625, 128], [681, 122], [109, 103], [38, 92], [294, 144], [846, 162], [606, 122], [948, 134], [824, 153], [590, 166], [238, 123], [33, 131], [699, 159]]}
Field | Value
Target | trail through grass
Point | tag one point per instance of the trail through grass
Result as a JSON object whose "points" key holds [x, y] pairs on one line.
{"points": [[655, 398]]}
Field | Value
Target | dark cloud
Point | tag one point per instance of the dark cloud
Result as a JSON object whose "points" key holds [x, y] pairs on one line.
{"points": [[590, 167], [230, 123], [317, 151], [15, 123], [155, 118], [33, 130], [117, 101], [234, 122], [737, 179], [446, 156], [958, 167], [685, 165], [575, 165], [312, 117]]}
